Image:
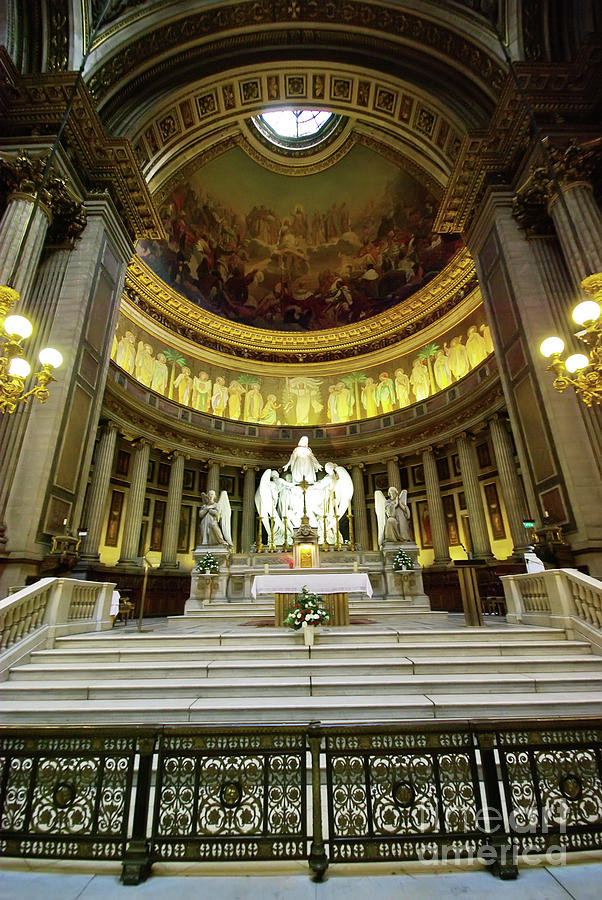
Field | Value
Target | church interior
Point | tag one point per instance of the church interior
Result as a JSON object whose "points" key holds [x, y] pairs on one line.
{"points": [[301, 278]]}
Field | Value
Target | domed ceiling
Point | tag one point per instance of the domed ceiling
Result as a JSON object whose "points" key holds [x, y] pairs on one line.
{"points": [[298, 252]]}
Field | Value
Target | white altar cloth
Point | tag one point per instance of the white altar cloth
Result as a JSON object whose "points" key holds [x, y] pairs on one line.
{"points": [[292, 582]]}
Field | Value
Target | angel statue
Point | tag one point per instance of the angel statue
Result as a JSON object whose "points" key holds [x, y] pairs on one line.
{"points": [[214, 516], [330, 497], [269, 505], [393, 516]]}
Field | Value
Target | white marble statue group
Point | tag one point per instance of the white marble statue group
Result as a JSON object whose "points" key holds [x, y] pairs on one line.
{"points": [[280, 504]]}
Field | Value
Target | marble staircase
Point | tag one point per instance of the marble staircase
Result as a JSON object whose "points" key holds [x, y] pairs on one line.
{"points": [[219, 673]]}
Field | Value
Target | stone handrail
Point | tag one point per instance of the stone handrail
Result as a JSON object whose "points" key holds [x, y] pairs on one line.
{"points": [[36, 615], [563, 597]]}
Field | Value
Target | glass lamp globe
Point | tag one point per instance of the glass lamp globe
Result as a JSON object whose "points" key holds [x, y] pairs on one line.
{"points": [[19, 367], [18, 325], [588, 311], [551, 345], [50, 357], [576, 361]]}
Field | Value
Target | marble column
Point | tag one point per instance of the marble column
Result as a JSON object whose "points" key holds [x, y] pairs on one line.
{"points": [[99, 488], [12, 231], [360, 513], [393, 473], [169, 545], [248, 509], [512, 492], [213, 476], [435, 507], [481, 547], [135, 504]]}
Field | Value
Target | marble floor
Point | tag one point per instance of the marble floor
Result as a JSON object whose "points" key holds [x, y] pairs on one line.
{"points": [[29, 880]]}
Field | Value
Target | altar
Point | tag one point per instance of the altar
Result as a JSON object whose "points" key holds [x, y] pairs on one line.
{"points": [[334, 588]]}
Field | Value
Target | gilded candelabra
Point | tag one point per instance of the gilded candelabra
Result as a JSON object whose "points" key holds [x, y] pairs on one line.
{"points": [[14, 369], [580, 371]]}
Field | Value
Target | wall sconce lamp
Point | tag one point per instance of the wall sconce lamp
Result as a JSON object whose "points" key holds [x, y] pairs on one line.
{"points": [[581, 371]]}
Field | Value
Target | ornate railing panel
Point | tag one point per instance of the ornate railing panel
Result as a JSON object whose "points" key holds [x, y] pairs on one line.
{"points": [[493, 791], [66, 795], [234, 796], [395, 795], [552, 781]]}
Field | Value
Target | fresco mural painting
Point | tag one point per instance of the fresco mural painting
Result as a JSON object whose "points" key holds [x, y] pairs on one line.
{"points": [[296, 253]]}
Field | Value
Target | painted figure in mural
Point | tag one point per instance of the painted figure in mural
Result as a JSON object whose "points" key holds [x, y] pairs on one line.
{"points": [[253, 403], [201, 392], [214, 517], [269, 416], [144, 364], [441, 369], [126, 352], [369, 397], [402, 388], [235, 391], [486, 332], [219, 398], [160, 374], [307, 392], [419, 379], [475, 347], [302, 462], [385, 392], [393, 516], [458, 358], [183, 385]]}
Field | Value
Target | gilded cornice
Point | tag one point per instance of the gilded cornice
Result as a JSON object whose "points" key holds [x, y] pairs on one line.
{"points": [[35, 104], [164, 304], [464, 413], [565, 98]]}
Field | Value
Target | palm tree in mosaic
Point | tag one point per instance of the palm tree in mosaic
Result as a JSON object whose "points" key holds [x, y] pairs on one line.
{"points": [[173, 358], [429, 352], [353, 381]]}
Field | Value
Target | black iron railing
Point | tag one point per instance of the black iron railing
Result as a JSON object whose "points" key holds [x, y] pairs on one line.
{"points": [[356, 793]]}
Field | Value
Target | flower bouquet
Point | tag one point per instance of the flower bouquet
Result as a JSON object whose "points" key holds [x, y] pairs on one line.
{"points": [[307, 612], [402, 561], [207, 563]]}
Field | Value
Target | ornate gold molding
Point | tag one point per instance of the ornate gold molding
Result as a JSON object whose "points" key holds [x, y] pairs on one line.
{"points": [[145, 290]]}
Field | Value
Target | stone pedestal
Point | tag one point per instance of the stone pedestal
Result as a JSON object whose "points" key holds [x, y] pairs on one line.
{"points": [[405, 584], [207, 587]]}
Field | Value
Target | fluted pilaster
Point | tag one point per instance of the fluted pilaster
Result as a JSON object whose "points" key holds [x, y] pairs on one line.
{"points": [[248, 509], [481, 546], [393, 473], [99, 488], [12, 231], [579, 233], [135, 504], [360, 513], [509, 482], [169, 546], [435, 507]]}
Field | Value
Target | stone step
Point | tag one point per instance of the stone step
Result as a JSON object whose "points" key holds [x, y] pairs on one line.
{"points": [[250, 710], [349, 635], [346, 668], [248, 650], [96, 688]]}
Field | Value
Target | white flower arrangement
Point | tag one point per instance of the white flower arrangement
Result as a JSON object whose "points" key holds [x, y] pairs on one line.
{"points": [[208, 562], [402, 561], [308, 610]]}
